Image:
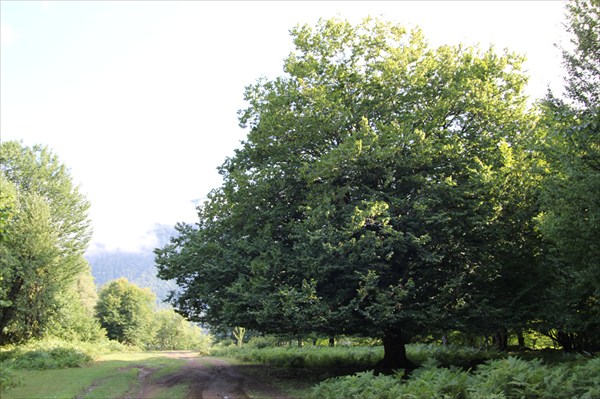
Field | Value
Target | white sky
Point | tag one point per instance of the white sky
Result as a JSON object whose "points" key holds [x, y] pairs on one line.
{"points": [[140, 99]]}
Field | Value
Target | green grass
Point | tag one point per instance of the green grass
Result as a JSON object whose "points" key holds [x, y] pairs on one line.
{"points": [[111, 376], [61, 383], [316, 357], [355, 357], [116, 385]]}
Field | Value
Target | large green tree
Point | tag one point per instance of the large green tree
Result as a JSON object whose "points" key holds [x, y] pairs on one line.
{"points": [[44, 231], [365, 197], [570, 221]]}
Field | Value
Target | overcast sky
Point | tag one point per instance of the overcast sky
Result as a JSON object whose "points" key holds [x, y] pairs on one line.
{"points": [[140, 99]]}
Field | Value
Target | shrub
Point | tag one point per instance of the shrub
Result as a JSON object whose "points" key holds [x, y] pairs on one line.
{"points": [[510, 377], [430, 381], [316, 357], [8, 379], [496, 379], [52, 353], [263, 342], [451, 355], [359, 386], [585, 382], [42, 359]]}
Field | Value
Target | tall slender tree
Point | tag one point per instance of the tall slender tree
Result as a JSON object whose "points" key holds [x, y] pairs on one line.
{"points": [[571, 199], [44, 232]]}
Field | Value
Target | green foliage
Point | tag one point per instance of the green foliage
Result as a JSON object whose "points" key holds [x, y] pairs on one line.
{"points": [[126, 311], [582, 62], [306, 357], [570, 218], [75, 319], [324, 357], [173, 332], [363, 385], [44, 232], [450, 355], [50, 359], [373, 195], [49, 353], [513, 377], [8, 378], [263, 342], [500, 379]]}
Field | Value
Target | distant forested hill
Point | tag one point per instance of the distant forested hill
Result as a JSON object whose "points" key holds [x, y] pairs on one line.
{"points": [[137, 267]]}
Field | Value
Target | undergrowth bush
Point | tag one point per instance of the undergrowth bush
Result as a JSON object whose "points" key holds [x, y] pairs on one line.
{"points": [[307, 357], [52, 353], [496, 379], [451, 355], [353, 356], [54, 358], [8, 378]]}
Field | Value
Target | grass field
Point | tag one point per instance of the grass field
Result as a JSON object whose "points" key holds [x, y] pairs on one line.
{"points": [[312, 373], [111, 376]]}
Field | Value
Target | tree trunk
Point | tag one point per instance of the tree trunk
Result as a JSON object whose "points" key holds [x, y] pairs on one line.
{"points": [[445, 340], [332, 341], [577, 341], [521, 339], [394, 352], [500, 340], [238, 333]]}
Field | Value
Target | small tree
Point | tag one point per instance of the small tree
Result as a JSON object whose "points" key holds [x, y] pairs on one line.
{"points": [[125, 311], [238, 333], [172, 331]]}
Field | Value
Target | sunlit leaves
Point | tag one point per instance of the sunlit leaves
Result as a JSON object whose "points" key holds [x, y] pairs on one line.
{"points": [[44, 232]]}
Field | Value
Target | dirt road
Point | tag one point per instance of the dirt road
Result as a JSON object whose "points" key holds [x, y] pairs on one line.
{"points": [[208, 378]]}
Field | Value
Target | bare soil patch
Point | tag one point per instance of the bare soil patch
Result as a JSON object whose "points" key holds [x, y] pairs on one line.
{"points": [[207, 378]]}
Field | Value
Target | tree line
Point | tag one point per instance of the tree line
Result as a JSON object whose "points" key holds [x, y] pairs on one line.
{"points": [[46, 285], [394, 190]]}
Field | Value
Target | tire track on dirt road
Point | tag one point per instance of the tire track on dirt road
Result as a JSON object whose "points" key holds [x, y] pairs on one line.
{"points": [[207, 378]]}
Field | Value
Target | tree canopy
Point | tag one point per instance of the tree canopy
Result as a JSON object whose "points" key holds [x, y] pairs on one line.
{"points": [[44, 230], [570, 218], [369, 194], [125, 311]]}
